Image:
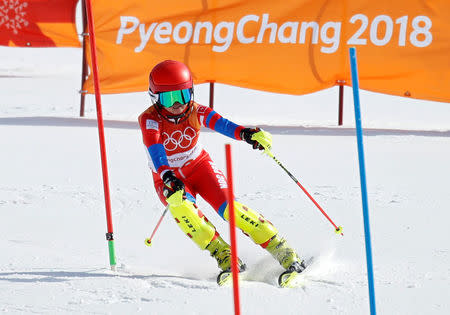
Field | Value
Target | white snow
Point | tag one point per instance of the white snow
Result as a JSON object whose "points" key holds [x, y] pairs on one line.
{"points": [[54, 257]]}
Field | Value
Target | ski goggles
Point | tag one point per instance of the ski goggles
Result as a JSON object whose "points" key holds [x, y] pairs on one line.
{"points": [[168, 99]]}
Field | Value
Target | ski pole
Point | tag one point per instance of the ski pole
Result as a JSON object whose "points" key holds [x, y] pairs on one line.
{"points": [[148, 241], [338, 229]]}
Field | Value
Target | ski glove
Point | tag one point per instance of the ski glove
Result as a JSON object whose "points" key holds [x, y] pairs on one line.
{"points": [[171, 184], [259, 139]]}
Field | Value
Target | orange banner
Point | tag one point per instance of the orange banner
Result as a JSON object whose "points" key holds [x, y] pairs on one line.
{"points": [[38, 23], [293, 47]]}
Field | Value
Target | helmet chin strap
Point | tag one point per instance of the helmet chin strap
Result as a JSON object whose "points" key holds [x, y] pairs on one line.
{"points": [[176, 119]]}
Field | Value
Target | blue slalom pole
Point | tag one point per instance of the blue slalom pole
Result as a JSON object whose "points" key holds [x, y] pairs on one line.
{"points": [[362, 173]]}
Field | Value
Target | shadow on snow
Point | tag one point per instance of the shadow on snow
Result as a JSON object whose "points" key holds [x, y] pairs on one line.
{"points": [[61, 276]]}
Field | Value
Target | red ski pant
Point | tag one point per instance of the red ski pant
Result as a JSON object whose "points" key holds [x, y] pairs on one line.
{"points": [[200, 177]]}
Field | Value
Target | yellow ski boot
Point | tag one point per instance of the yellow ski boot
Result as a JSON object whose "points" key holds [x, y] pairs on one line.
{"points": [[203, 233], [221, 251], [287, 257]]}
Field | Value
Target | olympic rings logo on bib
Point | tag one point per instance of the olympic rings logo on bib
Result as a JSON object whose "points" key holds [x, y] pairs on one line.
{"points": [[178, 139]]}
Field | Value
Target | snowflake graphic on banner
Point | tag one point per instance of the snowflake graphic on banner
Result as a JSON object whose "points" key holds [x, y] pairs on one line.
{"points": [[12, 15]]}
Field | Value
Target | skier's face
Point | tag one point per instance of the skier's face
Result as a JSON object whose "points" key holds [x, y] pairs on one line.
{"points": [[177, 108]]}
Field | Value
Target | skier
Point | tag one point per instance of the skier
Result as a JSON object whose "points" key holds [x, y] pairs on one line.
{"points": [[182, 169]]}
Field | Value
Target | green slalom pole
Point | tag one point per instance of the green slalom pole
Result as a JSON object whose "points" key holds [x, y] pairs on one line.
{"points": [[112, 255]]}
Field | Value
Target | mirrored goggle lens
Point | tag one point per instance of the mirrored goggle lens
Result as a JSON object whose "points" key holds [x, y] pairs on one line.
{"points": [[167, 99]]}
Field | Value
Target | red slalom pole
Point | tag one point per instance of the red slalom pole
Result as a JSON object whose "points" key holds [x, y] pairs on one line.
{"points": [[101, 134], [232, 220]]}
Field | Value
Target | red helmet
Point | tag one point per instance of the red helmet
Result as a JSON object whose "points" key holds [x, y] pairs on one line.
{"points": [[170, 75]]}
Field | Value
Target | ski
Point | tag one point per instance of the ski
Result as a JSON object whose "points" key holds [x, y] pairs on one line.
{"points": [[224, 278], [291, 278], [288, 279]]}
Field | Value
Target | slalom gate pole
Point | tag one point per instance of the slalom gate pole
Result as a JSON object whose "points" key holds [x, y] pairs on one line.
{"points": [[337, 229], [148, 241], [232, 221], [362, 173], [101, 134]]}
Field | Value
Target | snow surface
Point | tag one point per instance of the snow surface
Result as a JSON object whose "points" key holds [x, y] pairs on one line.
{"points": [[54, 257]]}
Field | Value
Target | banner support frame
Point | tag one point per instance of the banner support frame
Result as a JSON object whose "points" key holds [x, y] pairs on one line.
{"points": [[84, 61]]}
